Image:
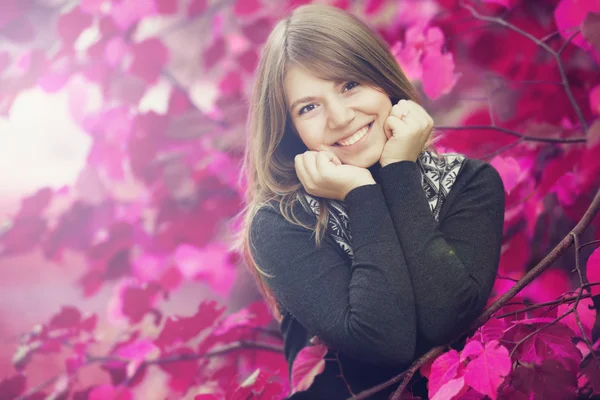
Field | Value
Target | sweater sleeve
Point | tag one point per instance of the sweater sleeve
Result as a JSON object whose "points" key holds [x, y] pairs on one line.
{"points": [[364, 307], [452, 264]]}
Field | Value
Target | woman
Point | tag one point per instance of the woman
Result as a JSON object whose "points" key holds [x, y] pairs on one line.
{"points": [[357, 233]]}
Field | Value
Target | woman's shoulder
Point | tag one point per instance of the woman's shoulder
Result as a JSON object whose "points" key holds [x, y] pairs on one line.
{"points": [[476, 171], [273, 218]]}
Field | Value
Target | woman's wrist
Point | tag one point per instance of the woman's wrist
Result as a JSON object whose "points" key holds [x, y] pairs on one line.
{"points": [[360, 183]]}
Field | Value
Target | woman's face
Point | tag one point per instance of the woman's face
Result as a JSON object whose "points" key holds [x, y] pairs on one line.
{"points": [[345, 118]]}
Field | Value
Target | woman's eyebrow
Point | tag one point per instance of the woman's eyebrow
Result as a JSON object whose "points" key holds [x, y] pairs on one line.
{"points": [[302, 100]]}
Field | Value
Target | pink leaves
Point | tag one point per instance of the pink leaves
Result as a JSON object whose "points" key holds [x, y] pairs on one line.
{"points": [[421, 58], [181, 329], [480, 368], [308, 364]]}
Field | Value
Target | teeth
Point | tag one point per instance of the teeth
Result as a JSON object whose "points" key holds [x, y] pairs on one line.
{"points": [[354, 138]]}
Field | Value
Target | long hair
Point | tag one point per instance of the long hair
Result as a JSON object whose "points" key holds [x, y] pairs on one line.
{"points": [[333, 45]]}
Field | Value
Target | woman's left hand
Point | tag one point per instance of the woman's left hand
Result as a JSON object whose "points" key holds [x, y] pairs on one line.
{"points": [[407, 128]]}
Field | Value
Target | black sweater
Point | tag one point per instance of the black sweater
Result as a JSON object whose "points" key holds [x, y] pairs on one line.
{"points": [[413, 283]]}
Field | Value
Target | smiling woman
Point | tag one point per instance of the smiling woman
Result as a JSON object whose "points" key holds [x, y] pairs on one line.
{"points": [[357, 232]]}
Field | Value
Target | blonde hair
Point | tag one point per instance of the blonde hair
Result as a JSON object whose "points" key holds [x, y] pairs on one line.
{"points": [[333, 45]]}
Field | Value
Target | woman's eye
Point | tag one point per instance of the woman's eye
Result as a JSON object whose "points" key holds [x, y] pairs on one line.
{"points": [[305, 109], [351, 85]]}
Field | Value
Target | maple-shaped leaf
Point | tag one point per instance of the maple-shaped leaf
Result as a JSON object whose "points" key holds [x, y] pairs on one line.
{"points": [[554, 342], [181, 329], [548, 381], [439, 77], [444, 368], [590, 29], [488, 370], [308, 364]]}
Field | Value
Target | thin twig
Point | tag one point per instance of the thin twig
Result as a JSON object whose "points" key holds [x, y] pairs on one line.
{"points": [[514, 133], [540, 305]]}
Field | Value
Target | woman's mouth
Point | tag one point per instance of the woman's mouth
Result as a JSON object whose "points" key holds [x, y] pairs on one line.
{"points": [[355, 139]]}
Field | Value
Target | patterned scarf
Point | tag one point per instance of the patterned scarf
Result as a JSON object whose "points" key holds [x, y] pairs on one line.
{"points": [[438, 175]]}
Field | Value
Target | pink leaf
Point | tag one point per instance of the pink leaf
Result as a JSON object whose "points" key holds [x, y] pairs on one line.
{"points": [[259, 385], [137, 352], [246, 7], [373, 6], [487, 372], [471, 350], [586, 315], [196, 7], [553, 342], [510, 170], [12, 387], [149, 58], [504, 3], [127, 13], [308, 364], [450, 389], [438, 74], [593, 270], [181, 329], [443, 369], [569, 15], [590, 29], [71, 24], [493, 329], [210, 264], [104, 392], [166, 7]]}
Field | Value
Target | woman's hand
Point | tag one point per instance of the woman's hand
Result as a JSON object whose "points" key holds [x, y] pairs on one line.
{"points": [[407, 128], [323, 175]]}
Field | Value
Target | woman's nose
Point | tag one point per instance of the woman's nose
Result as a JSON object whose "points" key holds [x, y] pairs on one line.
{"points": [[340, 114]]}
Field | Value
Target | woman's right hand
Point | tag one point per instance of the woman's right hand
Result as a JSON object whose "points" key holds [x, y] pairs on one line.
{"points": [[323, 175]]}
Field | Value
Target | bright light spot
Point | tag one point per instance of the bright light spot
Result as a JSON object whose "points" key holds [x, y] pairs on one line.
{"points": [[40, 145], [156, 98]]}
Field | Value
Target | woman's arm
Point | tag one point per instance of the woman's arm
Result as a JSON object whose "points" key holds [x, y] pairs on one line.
{"points": [[453, 264], [365, 309]]}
